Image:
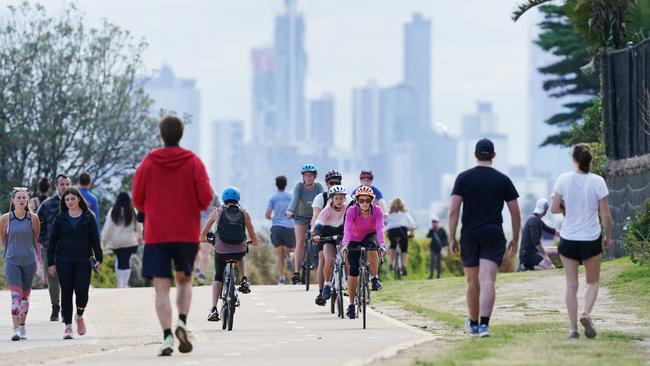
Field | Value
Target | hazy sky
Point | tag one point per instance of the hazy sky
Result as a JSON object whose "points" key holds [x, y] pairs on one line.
{"points": [[478, 52]]}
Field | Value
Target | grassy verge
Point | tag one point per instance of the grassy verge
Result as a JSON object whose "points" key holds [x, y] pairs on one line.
{"points": [[526, 331]]}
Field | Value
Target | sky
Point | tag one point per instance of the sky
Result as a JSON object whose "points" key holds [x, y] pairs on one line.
{"points": [[478, 53]]}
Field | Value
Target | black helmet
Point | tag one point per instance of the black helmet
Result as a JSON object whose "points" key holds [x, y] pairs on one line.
{"points": [[333, 174]]}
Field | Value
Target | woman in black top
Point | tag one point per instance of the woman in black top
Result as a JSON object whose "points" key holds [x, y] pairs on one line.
{"points": [[73, 242]]}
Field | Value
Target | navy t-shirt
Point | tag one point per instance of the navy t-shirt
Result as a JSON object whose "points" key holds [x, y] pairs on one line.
{"points": [[484, 191]]}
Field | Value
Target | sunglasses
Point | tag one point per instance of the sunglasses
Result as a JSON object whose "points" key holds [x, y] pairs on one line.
{"points": [[333, 183], [364, 200], [19, 189]]}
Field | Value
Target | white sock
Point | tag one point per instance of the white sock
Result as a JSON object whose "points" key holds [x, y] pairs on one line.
{"points": [[125, 280], [327, 283]]}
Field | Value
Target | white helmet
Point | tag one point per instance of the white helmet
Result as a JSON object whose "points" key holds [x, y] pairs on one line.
{"points": [[338, 190]]}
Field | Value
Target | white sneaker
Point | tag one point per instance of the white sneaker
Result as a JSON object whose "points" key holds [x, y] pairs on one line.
{"points": [[183, 335], [23, 332], [16, 336], [167, 346]]}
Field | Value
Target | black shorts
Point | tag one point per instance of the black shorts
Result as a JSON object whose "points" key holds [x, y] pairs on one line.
{"points": [[471, 251], [353, 256], [283, 237], [531, 260], [328, 231], [579, 250], [401, 235], [157, 259], [220, 263]]}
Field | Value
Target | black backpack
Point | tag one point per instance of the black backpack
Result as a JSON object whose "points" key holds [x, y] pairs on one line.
{"points": [[324, 199], [231, 228]]}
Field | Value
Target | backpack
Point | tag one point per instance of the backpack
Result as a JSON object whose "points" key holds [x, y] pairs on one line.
{"points": [[324, 199], [231, 228]]}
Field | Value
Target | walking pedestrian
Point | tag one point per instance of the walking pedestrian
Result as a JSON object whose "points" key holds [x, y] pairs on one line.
{"points": [[283, 236], [439, 243], [171, 188], [91, 199]]}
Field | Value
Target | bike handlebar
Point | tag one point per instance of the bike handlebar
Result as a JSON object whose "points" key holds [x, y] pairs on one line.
{"points": [[331, 239]]}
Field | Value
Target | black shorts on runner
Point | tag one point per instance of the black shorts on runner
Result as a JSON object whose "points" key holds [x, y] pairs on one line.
{"points": [[579, 250], [399, 234], [472, 251], [157, 259], [283, 237]]}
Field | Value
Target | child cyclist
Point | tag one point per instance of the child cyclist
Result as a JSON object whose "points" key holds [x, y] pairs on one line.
{"points": [[328, 223], [233, 221]]}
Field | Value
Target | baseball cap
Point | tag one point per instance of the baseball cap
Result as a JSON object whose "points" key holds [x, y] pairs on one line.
{"points": [[541, 205], [435, 217], [484, 147]]}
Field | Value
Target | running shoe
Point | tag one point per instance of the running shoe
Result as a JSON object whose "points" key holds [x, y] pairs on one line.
{"points": [[376, 285], [327, 292], [471, 329], [23, 332], [214, 315], [54, 317], [295, 278], [574, 334], [183, 337], [67, 333], [167, 346], [201, 279], [16, 336], [403, 271], [281, 281], [244, 287], [590, 331], [81, 325], [351, 313], [320, 301], [483, 331]]}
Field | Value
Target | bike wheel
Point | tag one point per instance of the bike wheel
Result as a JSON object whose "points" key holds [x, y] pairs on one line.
{"points": [[224, 301], [307, 267], [339, 290], [364, 299], [232, 303], [333, 295]]}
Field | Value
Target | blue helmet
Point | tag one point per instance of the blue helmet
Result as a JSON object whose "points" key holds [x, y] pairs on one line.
{"points": [[230, 194], [308, 168]]}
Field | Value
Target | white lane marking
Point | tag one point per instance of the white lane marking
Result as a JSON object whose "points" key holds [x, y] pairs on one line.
{"points": [[270, 311], [269, 345], [250, 349], [260, 304], [255, 298], [282, 342], [190, 362], [291, 322], [280, 316], [310, 335], [214, 359], [298, 327], [232, 354]]}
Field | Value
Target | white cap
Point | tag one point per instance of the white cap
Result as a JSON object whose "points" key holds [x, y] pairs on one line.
{"points": [[435, 217], [541, 206]]}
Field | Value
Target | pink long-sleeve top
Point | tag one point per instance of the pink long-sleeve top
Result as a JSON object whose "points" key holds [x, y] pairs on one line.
{"points": [[357, 227]]}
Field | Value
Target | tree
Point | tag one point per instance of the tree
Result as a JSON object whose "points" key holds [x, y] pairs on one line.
{"points": [[70, 98]]}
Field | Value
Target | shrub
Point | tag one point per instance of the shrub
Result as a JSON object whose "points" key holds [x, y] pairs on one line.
{"points": [[637, 238]]}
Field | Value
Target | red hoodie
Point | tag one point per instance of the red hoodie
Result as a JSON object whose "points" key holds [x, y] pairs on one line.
{"points": [[171, 187]]}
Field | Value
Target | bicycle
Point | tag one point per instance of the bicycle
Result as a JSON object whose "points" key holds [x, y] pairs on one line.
{"points": [[397, 261], [337, 279], [363, 289], [307, 258]]}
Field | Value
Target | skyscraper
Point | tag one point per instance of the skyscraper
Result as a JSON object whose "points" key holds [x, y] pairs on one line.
{"points": [[228, 154], [171, 94], [264, 114], [321, 118], [417, 69], [397, 111], [365, 118], [291, 63]]}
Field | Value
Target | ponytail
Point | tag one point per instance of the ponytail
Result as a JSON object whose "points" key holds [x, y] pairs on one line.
{"points": [[583, 156]]}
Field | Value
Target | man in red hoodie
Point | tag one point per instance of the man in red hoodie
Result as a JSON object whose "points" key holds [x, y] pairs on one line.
{"points": [[171, 188]]}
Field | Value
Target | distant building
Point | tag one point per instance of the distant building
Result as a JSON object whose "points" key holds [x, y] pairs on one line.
{"points": [[228, 153], [482, 124], [264, 113], [321, 120], [366, 121], [417, 69], [172, 94]]}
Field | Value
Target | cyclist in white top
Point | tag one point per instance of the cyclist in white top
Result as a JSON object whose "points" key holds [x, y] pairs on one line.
{"points": [[400, 226]]}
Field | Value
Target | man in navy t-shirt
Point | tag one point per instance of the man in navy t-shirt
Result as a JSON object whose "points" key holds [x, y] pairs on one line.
{"points": [[482, 192]]}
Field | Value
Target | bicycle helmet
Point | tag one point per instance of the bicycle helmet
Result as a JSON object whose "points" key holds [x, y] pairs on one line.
{"points": [[364, 191], [339, 189], [311, 168], [333, 174], [366, 174], [230, 194]]}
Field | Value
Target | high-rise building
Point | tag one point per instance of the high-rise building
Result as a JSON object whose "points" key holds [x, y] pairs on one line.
{"points": [[365, 119], [228, 154], [321, 118], [481, 124], [263, 116], [291, 64], [397, 114], [417, 69], [180, 96], [548, 161]]}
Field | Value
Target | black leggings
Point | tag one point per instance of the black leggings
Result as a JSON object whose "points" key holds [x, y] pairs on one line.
{"points": [[74, 277], [353, 256], [220, 263], [124, 256]]}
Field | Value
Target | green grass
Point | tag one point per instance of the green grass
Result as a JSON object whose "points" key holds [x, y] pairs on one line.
{"points": [[539, 337]]}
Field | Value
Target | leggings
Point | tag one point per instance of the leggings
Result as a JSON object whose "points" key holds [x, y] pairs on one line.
{"points": [[20, 280], [436, 261], [220, 263], [74, 277], [353, 256], [124, 256]]}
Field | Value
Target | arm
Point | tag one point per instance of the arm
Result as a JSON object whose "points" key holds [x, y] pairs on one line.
{"points": [[94, 240], [382, 204], [315, 212], [36, 231], [350, 215], [53, 243], [138, 192], [267, 214], [606, 219], [108, 226], [379, 227], [454, 212], [43, 220], [4, 220], [204, 192], [556, 204], [515, 214], [208, 224], [250, 229], [549, 229], [139, 232], [294, 200]]}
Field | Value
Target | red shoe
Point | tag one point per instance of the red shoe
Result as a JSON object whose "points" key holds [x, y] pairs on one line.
{"points": [[81, 326]]}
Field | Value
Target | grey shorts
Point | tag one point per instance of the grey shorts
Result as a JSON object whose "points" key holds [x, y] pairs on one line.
{"points": [[283, 237], [20, 277]]}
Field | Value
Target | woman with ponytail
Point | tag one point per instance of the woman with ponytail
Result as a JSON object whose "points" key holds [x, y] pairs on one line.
{"points": [[580, 196]]}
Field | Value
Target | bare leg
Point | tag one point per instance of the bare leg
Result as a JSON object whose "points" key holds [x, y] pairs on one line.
{"points": [[242, 267], [279, 253], [352, 287], [319, 270], [592, 267], [301, 231], [473, 292], [183, 292], [487, 279], [373, 260], [204, 257], [329, 253], [216, 292], [163, 304], [571, 296], [391, 253], [405, 259]]}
